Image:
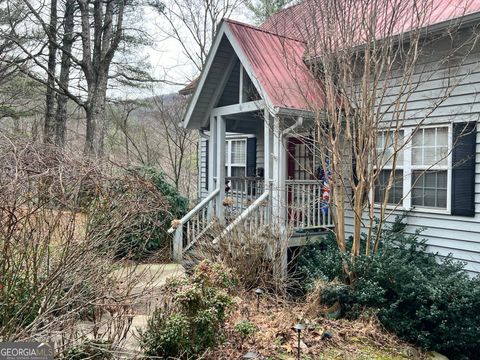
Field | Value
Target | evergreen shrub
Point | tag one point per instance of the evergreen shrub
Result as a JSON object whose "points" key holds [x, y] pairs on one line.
{"points": [[192, 315], [425, 300]]}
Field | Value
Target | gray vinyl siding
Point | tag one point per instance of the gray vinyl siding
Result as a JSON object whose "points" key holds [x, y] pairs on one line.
{"points": [[446, 234], [260, 146], [219, 65], [230, 93]]}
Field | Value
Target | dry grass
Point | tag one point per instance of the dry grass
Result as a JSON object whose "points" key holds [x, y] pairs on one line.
{"points": [[276, 339]]}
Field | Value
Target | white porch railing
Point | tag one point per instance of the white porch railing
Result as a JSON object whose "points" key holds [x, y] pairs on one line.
{"points": [[193, 225], [306, 208], [242, 192], [255, 216], [251, 205]]}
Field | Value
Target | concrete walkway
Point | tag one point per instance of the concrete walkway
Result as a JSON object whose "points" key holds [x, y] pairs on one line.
{"points": [[152, 276]]}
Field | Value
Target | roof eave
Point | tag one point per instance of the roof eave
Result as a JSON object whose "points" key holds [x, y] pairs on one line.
{"points": [[203, 75], [463, 21]]}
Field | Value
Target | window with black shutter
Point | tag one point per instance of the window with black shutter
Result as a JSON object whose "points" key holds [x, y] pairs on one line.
{"points": [[251, 156], [436, 170], [463, 169]]}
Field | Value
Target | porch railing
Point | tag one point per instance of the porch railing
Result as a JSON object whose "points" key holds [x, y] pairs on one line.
{"points": [[192, 226], [254, 216], [307, 207], [241, 193]]}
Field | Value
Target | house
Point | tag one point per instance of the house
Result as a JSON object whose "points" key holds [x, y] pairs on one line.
{"points": [[251, 105]]}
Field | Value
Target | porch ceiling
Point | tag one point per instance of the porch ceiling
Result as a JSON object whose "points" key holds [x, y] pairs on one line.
{"points": [[244, 123]]}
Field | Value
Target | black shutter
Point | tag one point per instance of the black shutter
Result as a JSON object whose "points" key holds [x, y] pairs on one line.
{"points": [[206, 165], [251, 156], [463, 168]]}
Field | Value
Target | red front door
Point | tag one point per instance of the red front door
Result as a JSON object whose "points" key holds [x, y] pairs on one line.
{"points": [[300, 159], [300, 167]]}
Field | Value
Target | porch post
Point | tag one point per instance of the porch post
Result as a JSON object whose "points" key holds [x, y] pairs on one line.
{"points": [[279, 173], [212, 156], [220, 168], [267, 130], [279, 203]]}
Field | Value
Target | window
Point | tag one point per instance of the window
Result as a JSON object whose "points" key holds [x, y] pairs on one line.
{"points": [[395, 193], [300, 159], [235, 157], [430, 167], [422, 168], [430, 189], [386, 145]]}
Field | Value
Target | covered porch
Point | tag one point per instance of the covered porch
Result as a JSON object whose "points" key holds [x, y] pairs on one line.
{"points": [[239, 97], [280, 190]]}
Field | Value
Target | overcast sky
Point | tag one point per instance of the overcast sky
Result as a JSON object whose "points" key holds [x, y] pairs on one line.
{"points": [[167, 57]]}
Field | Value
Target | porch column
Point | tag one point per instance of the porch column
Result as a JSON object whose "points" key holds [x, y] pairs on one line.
{"points": [[278, 175], [279, 198], [267, 149], [220, 168], [212, 162]]}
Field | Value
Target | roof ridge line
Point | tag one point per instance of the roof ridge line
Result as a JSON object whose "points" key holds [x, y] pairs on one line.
{"points": [[253, 27]]}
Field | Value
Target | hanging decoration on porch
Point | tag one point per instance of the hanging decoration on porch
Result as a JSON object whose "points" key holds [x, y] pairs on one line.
{"points": [[325, 179]]}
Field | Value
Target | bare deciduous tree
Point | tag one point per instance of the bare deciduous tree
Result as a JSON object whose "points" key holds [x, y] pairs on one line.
{"points": [[193, 24], [180, 142], [370, 58]]}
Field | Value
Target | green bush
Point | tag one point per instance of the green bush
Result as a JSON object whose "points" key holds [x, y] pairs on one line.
{"points": [[19, 300], [178, 203], [133, 213], [245, 329], [193, 314], [430, 303]]}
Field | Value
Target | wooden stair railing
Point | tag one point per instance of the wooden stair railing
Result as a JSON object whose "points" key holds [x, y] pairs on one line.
{"points": [[192, 226], [255, 215]]}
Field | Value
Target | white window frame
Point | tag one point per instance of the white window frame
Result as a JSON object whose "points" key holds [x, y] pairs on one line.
{"points": [[228, 156], [390, 168], [447, 167], [408, 169]]}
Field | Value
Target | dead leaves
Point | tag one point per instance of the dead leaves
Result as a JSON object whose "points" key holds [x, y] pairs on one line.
{"points": [[276, 338]]}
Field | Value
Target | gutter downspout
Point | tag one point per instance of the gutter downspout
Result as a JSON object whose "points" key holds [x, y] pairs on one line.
{"points": [[298, 123]]}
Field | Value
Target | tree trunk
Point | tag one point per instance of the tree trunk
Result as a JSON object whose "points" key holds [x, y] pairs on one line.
{"points": [[95, 113], [49, 125], [64, 80], [96, 63]]}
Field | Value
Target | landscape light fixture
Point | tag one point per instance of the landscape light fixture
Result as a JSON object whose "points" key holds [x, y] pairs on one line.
{"points": [[298, 328], [259, 292], [250, 355]]}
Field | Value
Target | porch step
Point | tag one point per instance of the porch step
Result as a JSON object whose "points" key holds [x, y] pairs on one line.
{"points": [[303, 237], [191, 255]]}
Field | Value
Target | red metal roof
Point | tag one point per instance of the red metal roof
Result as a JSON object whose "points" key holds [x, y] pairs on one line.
{"points": [[277, 63], [189, 88], [303, 20]]}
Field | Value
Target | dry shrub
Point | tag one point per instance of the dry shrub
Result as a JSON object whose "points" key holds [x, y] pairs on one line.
{"points": [[129, 217], [314, 304], [276, 338], [253, 253], [54, 283]]}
